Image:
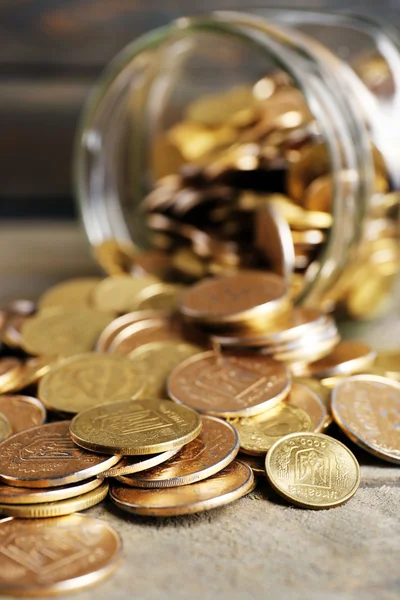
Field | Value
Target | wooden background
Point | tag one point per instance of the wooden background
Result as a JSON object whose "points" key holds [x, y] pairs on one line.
{"points": [[51, 52]]}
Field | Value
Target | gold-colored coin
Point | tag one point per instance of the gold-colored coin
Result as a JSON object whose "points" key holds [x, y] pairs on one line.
{"points": [[23, 412], [135, 464], [120, 323], [85, 380], [63, 331], [32, 371], [212, 450], [367, 409], [257, 434], [347, 357], [256, 463], [117, 293], [312, 470], [159, 296], [115, 257], [132, 428], [56, 508], [49, 556], [243, 298], [230, 484], [216, 109], [323, 394], [22, 495], [157, 359], [45, 456], [10, 370], [70, 293], [229, 385], [389, 362], [297, 217], [5, 427]]}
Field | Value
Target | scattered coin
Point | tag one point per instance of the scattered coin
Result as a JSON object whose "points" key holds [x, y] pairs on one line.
{"points": [[132, 428], [312, 470], [212, 450], [157, 359], [86, 380], [58, 507], [45, 456], [32, 371], [63, 331], [305, 397], [21, 495], [10, 369], [347, 357], [230, 484], [235, 299], [70, 293], [120, 323], [138, 334], [159, 296], [256, 463], [367, 409], [389, 362], [117, 293], [134, 464], [229, 385], [23, 412], [70, 553], [5, 427]]}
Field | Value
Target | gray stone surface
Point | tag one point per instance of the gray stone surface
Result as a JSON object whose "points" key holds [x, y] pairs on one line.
{"points": [[260, 548]]}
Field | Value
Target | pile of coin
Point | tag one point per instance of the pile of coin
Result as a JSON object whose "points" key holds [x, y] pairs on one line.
{"points": [[173, 407], [244, 181]]}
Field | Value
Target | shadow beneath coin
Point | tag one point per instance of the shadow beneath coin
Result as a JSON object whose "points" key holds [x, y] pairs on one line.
{"points": [[178, 521], [264, 492]]}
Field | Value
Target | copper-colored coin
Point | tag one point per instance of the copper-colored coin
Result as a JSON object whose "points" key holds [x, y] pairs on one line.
{"points": [[135, 464], [294, 325], [212, 450], [41, 557], [312, 347], [229, 385], [5, 427], [45, 456], [114, 256], [10, 369], [144, 332], [323, 394], [23, 412], [274, 239], [302, 396], [367, 409], [73, 292], [57, 508], [131, 428], [347, 357], [120, 323], [240, 298], [85, 380], [154, 263], [10, 494], [233, 482]]}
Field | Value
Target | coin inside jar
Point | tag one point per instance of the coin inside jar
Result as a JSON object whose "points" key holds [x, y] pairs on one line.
{"points": [[366, 408], [91, 551], [45, 456], [132, 428], [230, 484], [229, 385], [212, 450], [86, 380], [23, 412], [312, 470], [235, 299]]}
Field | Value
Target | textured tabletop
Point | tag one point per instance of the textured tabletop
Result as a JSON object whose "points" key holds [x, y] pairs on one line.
{"points": [[258, 547]]}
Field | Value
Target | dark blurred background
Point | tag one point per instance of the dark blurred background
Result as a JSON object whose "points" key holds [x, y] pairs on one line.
{"points": [[51, 52]]}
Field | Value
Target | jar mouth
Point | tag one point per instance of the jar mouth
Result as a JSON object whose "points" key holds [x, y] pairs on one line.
{"points": [[327, 86]]}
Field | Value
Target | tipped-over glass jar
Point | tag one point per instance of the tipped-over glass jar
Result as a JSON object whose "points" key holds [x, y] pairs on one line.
{"points": [[267, 140]]}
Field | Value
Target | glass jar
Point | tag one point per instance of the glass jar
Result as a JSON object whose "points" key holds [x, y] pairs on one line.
{"points": [[343, 75]]}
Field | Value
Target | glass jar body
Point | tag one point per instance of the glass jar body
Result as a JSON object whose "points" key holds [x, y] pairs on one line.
{"points": [[329, 141]]}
